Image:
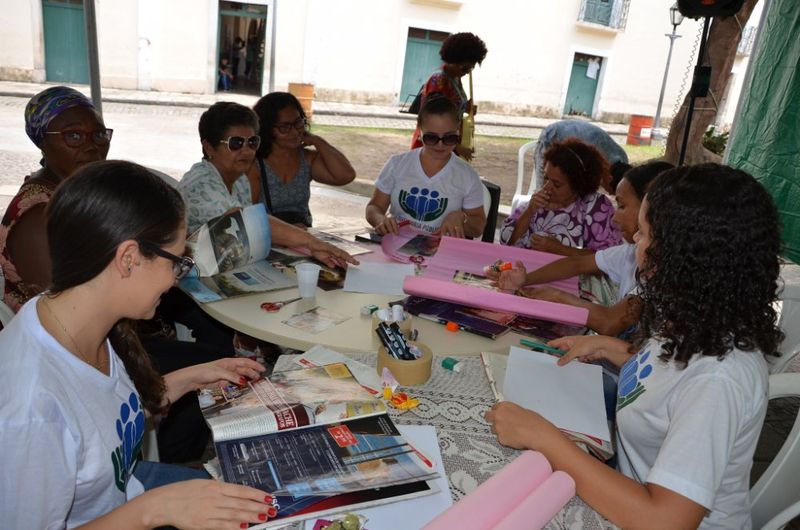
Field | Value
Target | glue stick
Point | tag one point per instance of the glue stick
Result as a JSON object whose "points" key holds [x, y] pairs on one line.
{"points": [[448, 363]]}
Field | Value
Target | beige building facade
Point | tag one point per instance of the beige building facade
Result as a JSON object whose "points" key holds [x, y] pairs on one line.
{"points": [[600, 58]]}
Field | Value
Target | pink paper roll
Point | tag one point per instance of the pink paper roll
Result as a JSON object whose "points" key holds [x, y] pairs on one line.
{"points": [[540, 506], [493, 500]]}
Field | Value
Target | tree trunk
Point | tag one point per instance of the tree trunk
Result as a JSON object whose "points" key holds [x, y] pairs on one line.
{"points": [[723, 39]]}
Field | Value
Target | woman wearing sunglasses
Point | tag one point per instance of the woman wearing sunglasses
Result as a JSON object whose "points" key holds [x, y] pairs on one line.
{"points": [[285, 167], [64, 124], [116, 235], [218, 183], [430, 187]]}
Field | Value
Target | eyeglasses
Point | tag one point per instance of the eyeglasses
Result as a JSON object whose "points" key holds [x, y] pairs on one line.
{"points": [[181, 265], [237, 142], [300, 124], [433, 139], [78, 137]]}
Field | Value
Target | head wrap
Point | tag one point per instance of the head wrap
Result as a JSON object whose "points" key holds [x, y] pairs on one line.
{"points": [[48, 104]]}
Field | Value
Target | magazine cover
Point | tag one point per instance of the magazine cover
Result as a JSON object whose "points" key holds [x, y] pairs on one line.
{"points": [[286, 400]]}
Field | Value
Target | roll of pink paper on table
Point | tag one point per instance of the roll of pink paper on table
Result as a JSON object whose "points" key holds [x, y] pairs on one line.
{"points": [[489, 504], [538, 508]]}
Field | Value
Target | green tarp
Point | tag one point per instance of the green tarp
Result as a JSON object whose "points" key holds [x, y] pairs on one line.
{"points": [[766, 139]]}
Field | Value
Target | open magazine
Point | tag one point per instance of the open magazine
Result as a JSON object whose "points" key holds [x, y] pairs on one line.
{"points": [[310, 437], [229, 252]]}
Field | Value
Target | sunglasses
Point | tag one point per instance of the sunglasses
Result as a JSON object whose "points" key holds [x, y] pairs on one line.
{"points": [[433, 139], [78, 137], [181, 265], [300, 124], [237, 142]]}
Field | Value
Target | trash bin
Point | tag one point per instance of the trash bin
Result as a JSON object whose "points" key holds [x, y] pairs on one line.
{"points": [[640, 130], [304, 92]]}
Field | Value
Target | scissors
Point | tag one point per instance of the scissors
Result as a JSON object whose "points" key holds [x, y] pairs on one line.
{"points": [[273, 307]]}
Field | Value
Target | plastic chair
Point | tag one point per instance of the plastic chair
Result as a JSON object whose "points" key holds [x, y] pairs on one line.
{"points": [[520, 197], [150, 441], [789, 322], [779, 487], [780, 521], [6, 314], [491, 205]]}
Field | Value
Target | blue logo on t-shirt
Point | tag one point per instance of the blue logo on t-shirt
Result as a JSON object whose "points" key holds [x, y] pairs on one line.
{"points": [[422, 204], [630, 378], [130, 429]]}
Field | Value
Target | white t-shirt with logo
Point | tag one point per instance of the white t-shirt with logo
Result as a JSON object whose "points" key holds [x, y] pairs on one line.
{"points": [[694, 430], [427, 201], [69, 434], [619, 264]]}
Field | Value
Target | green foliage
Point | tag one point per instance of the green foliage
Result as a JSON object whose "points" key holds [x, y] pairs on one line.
{"points": [[715, 142]]}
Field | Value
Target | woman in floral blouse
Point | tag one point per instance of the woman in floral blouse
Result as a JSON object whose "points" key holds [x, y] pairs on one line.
{"points": [[568, 216]]}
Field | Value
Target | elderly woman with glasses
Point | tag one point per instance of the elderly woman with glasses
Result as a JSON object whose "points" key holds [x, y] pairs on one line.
{"points": [[285, 167], [568, 215], [218, 184], [430, 187], [64, 124]]}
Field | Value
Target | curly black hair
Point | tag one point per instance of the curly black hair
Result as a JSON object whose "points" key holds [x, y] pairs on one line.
{"points": [[711, 268], [640, 177], [267, 109], [582, 164], [460, 48]]}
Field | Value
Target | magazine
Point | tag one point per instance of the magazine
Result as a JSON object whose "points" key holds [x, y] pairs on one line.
{"points": [[352, 248], [475, 280], [284, 259], [229, 253], [495, 366], [316, 440], [409, 246], [444, 312]]}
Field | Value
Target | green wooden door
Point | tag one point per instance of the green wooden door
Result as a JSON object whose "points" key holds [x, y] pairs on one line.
{"points": [[582, 86], [65, 56], [422, 59], [598, 11]]}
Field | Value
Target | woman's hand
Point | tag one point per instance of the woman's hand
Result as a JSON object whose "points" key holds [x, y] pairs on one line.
{"points": [[547, 244], [510, 280], [517, 427], [453, 224], [328, 254], [230, 369], [592, 348], [540, 199], [311, 140], [209, 504], [388, 226]]}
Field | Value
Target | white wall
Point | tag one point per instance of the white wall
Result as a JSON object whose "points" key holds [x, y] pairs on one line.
{"points": [[21, 43]]}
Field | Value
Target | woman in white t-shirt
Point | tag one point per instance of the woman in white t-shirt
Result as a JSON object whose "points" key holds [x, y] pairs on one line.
{"points": [[430, 187], [693, 389], [75, 382], [618, 263]]}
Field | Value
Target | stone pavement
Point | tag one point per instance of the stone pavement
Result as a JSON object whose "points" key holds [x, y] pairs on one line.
{"points": [[325, 112]]}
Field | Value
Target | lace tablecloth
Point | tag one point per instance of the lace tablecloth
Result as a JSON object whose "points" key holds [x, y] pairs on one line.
{"points": [[455, 403]]}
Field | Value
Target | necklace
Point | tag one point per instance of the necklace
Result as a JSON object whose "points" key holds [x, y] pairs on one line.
{"points": [[100, 365]]}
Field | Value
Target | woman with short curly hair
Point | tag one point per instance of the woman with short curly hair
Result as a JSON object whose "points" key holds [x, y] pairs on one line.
{"points": [[568, 216], [460, 52], [693, 389]]}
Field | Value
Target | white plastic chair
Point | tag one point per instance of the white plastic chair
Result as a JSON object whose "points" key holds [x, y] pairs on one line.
{"points": [[150, 441], [520, 197], [779, 487], [6, 314], [789, 322], [780, 521]]}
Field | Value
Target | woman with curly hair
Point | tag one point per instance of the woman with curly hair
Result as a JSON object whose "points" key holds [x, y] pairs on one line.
{"points": [[568, 216], [460, 53], [285, 166], [693, 388]]}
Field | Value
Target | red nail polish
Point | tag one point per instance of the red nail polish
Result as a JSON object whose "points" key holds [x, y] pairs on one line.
{"points": [[242, 380], [272, 512], [262, 517], [243, 526], [268, 499]]}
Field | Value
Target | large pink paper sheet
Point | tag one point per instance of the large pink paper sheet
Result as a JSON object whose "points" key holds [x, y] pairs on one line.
{"points": [[538, 508], [492, 501]]}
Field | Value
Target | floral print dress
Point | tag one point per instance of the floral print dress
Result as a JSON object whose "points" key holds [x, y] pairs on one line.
{"points": [[586, 223]]}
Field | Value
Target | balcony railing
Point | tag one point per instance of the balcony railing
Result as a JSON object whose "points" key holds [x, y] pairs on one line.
{"points": [[612, 14]]}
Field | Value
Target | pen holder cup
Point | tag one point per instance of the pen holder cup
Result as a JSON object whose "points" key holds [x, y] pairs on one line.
{"points": [[407, 373], [405, 328]]}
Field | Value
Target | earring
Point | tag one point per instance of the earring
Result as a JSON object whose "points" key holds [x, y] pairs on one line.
{"points": [[130, 268]]}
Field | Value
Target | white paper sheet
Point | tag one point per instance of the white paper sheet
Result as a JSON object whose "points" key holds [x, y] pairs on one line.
{"points": [[570, 397], [377, 278], [418, 512]]}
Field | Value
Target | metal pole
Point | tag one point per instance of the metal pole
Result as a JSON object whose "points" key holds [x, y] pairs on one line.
{"points": [[90, 22], [272, 46], [657, 121], [693, 96]]}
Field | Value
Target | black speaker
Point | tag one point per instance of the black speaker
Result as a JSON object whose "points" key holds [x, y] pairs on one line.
{"points": [[709, 8]]}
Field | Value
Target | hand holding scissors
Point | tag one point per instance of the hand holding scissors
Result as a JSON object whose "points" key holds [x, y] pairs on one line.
{"points": [[274, 307]]}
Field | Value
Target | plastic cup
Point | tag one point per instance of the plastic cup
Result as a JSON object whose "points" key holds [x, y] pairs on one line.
{"points": [[307, 276]]}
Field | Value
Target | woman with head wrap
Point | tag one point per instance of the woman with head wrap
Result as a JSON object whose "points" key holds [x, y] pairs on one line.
{"points": [[64, 124]]}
